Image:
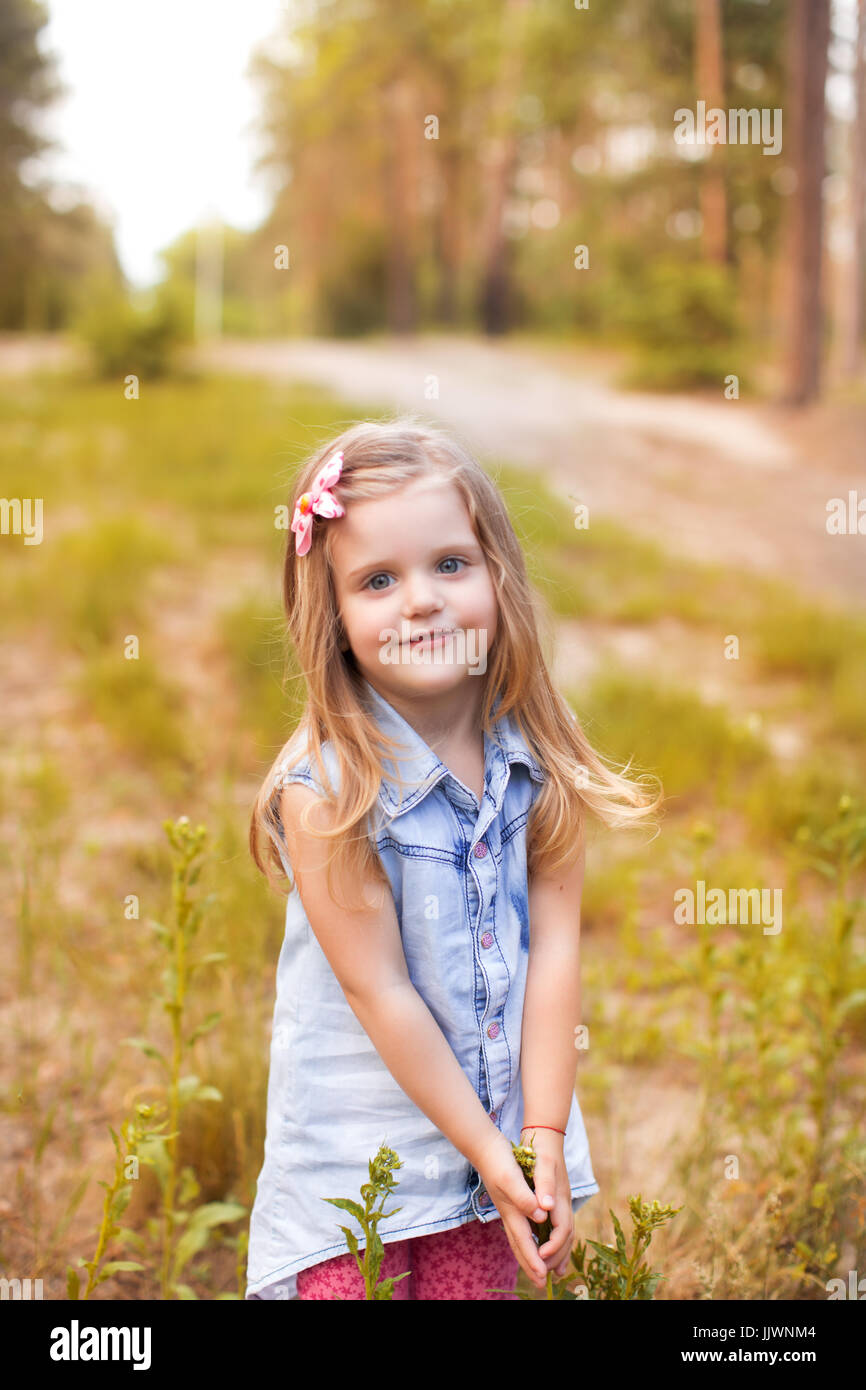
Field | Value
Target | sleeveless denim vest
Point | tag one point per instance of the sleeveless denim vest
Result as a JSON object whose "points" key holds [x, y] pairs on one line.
{"points": [[458, 876]]}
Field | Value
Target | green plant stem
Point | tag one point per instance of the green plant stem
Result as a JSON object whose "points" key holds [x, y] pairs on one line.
{"points": [[181, 911], [105, 1227]]}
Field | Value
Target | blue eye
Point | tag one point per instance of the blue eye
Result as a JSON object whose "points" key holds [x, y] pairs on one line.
{"points": [[448, 560]]}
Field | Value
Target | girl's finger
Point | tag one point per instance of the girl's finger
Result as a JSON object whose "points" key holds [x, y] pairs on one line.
{"points": [[558, 1218], [562, 1230], [525, 1251], [544, 1180], [531, 1257]]}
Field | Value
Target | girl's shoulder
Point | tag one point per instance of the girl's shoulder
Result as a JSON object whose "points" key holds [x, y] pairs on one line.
{"points": [[299, 763]]}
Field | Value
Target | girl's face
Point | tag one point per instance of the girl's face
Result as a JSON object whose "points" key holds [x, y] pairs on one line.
{"points": [[405, 565]]}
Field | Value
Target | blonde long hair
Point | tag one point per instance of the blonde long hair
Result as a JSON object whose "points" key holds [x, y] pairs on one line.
{"points": [[378, 459]]}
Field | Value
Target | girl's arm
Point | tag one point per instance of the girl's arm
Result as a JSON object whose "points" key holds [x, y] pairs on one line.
{"points": [[365, 952], [551, 1006]]}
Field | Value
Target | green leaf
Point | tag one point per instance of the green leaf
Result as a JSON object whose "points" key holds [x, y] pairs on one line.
{"points": [[210, 1022], [197, 1233], [189, 1186], [153, 1152], [610, 1257], [186, 1088], [148, 1049], [71, 1208], [346, 1204], [114, 1266], [351, 1240], [126, 1236], [823, 867], [162, 932], [184, 1292], [120, 1201], [208, 1093], [386, 1288]]}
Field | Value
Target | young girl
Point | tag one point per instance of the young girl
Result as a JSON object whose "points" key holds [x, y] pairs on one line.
{"points": [[429, 811]]}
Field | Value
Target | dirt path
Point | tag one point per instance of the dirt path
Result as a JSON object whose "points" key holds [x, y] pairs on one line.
{"points": [[729, 481]]}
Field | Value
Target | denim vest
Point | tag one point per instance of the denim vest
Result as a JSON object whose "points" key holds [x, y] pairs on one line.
{"points": [[458, 875]]}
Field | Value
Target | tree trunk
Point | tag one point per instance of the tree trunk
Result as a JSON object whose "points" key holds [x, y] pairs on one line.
{"points": [[855, 325], [448, 235], [809, 34], [710, 79], [399, 172], [494, 307]]}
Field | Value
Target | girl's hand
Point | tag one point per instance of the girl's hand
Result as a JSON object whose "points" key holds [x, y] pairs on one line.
{"points": [[553, 1191], [514, 1200]]}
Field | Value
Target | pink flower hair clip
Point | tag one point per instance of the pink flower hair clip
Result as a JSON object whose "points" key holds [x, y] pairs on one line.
{"points": [[319, 500]]}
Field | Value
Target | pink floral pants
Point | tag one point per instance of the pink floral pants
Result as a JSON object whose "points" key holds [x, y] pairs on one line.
{"points": [[463, 1263]]}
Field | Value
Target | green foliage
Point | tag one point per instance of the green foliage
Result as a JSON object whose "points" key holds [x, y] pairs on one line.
{"points": [[682, 315], [117, 1196], [614, 1272], [352, 289], [270, 688], [97, 575], [139, 705], [668, 729], [129, 338], [381, 1185], [185, 1233], [770, 1020]]}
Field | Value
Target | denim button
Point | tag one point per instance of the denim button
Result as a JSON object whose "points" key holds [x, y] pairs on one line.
{"points": [[493, 1116], [487, 939], [480, 850], [493, 1030]]}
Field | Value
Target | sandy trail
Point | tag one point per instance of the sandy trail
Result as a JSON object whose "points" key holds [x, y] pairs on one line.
{"points": [[739, 483], [733, 482]]}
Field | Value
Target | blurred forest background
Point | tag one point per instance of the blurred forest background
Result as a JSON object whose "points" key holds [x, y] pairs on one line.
{"points": [[439, 163], [488, 197]]}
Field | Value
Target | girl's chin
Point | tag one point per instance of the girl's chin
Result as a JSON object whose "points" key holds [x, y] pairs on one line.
{"points": [[427, 675]]}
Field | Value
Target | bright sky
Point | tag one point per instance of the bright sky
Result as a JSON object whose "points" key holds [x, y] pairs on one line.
{"points": [[158, 122]]}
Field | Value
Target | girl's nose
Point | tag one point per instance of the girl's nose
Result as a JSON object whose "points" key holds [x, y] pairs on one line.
{"points": [[421, 596]]}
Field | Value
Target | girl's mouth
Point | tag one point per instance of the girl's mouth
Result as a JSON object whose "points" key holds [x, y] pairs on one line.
{"points": [[431, 638]]}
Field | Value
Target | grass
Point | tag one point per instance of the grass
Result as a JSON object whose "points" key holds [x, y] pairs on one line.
{"points": [[161, 510]]}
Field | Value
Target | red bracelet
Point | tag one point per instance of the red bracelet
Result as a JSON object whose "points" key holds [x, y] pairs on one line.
{"points": [[553, 1127]]}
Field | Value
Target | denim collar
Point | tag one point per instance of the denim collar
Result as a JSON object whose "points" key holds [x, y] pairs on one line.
{"points": [[421, 768]]}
